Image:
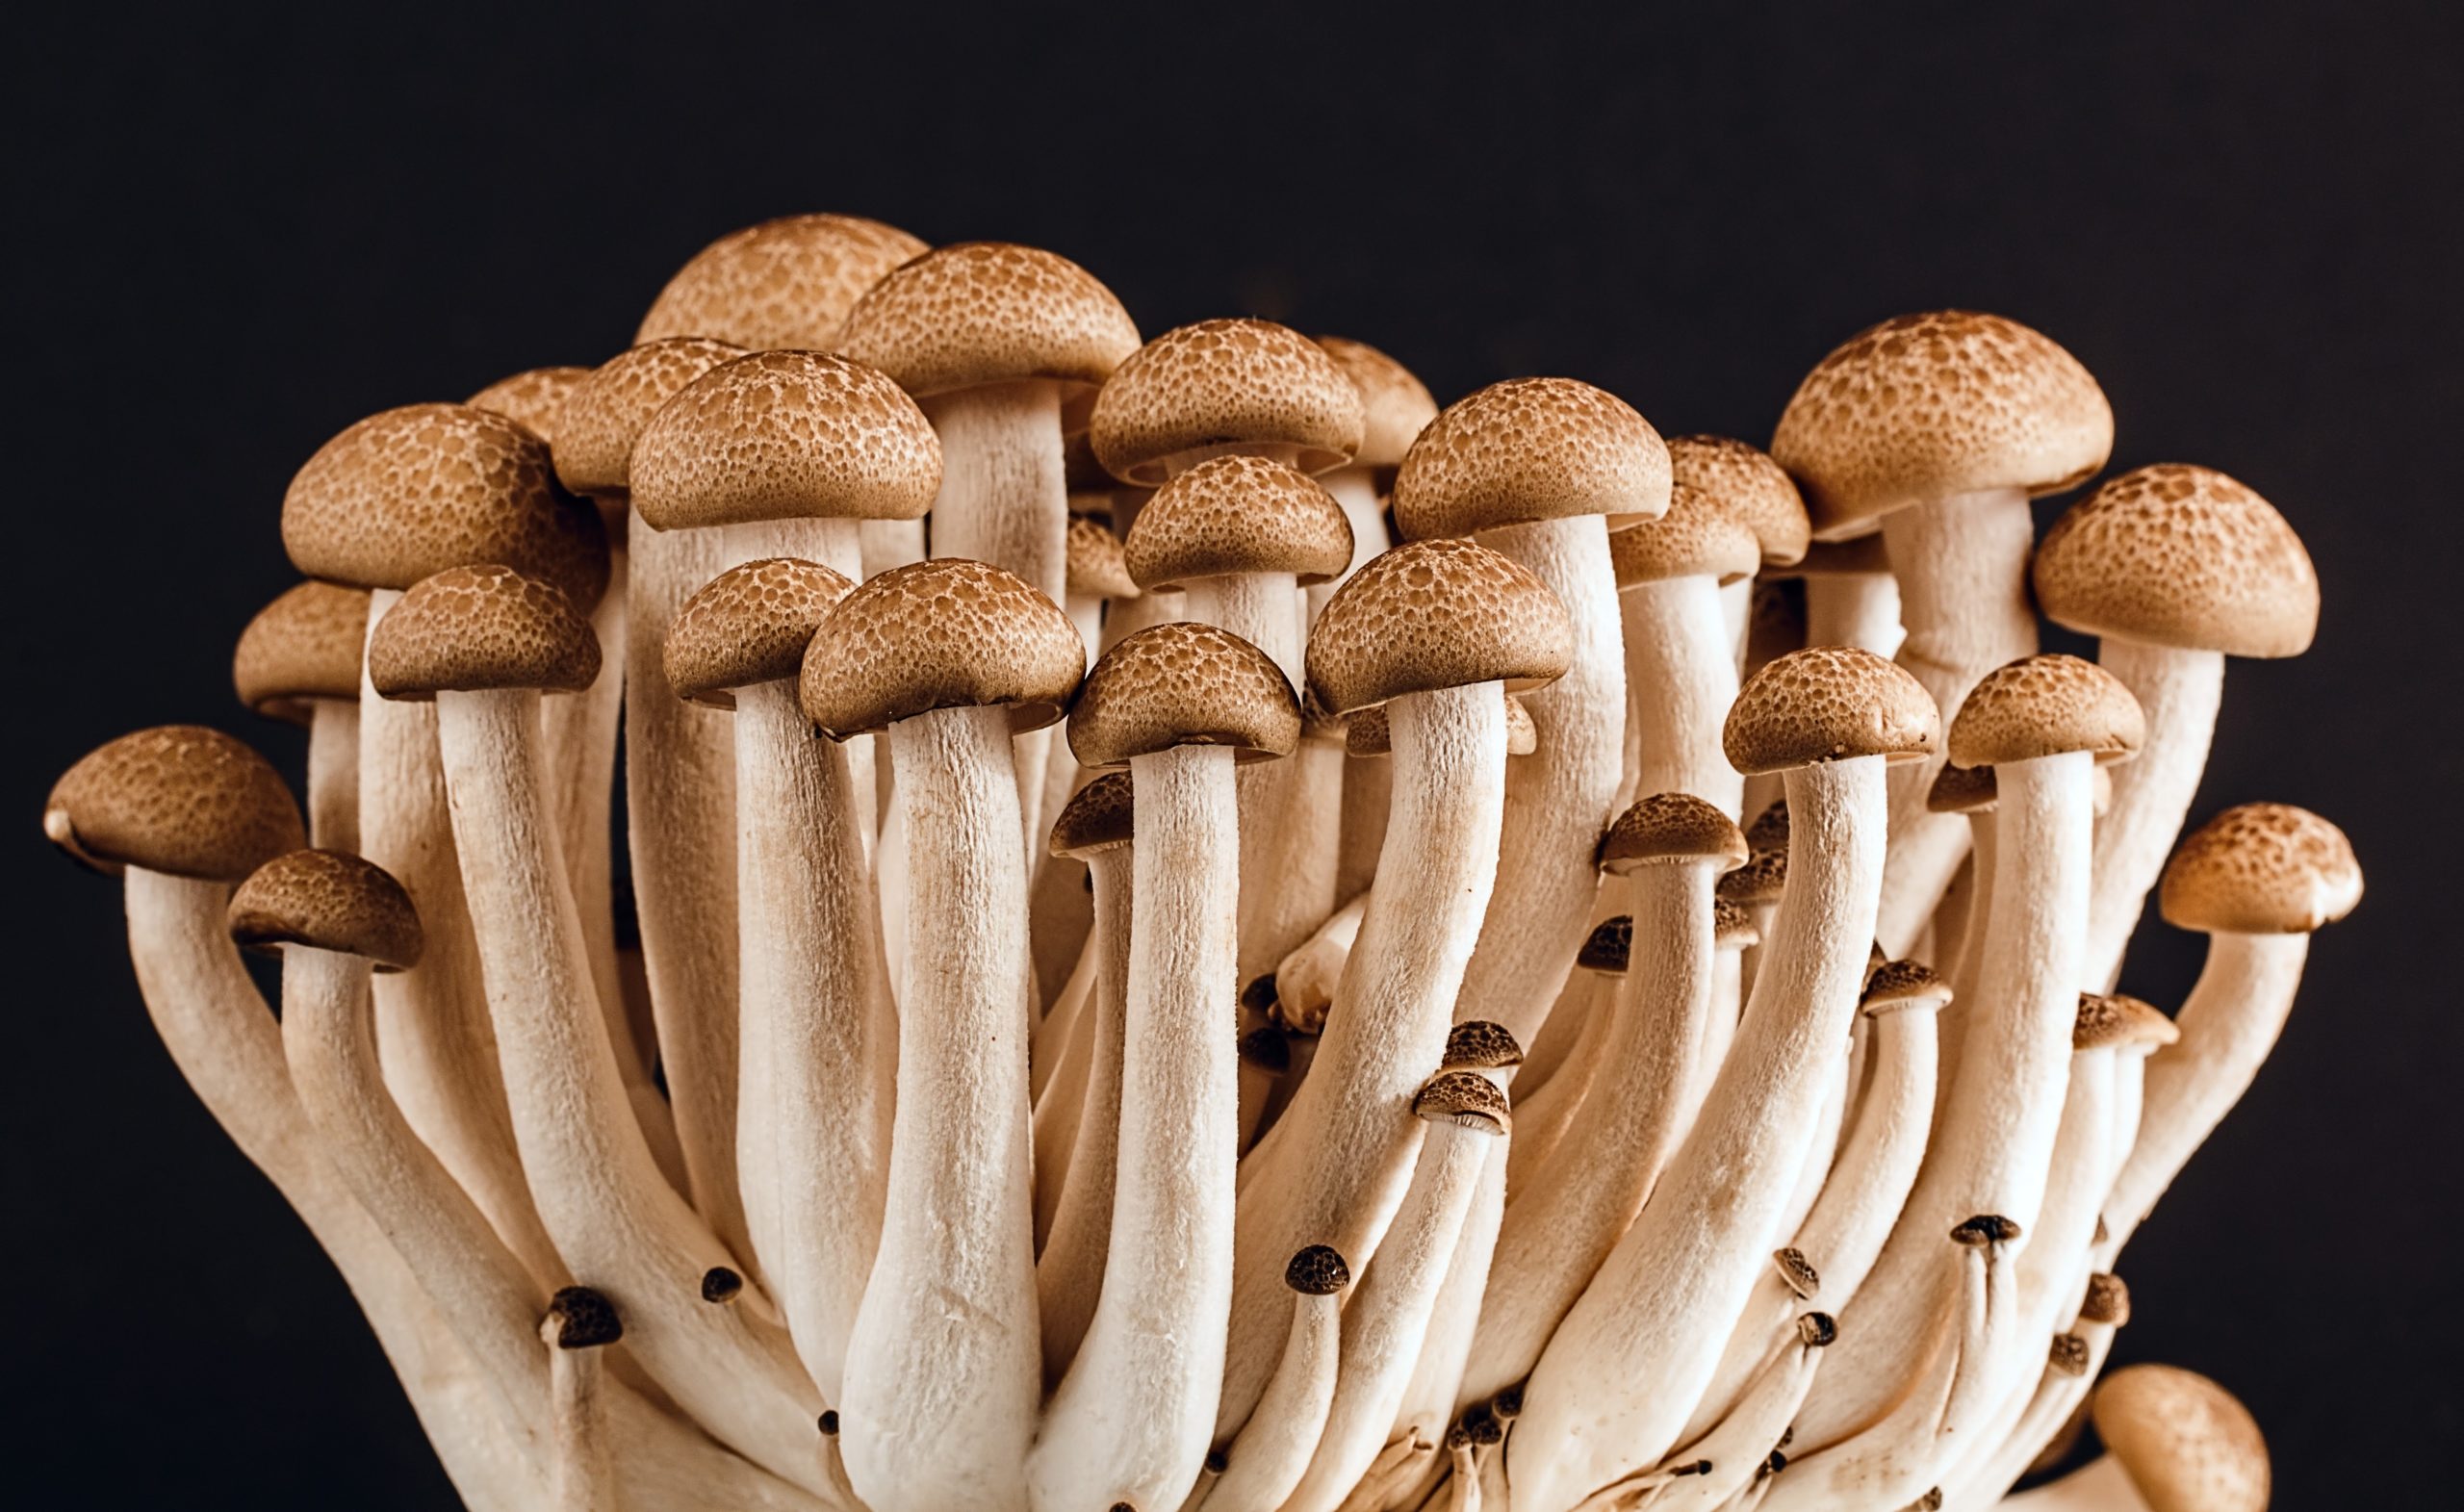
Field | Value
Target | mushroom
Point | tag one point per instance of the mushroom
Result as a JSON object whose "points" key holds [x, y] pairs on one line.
{"points": [[1681, 655], [2057, 1408], [817, 1036], [1746, 1443], [2042, 723], [788, 282], [299, 660], [1430, 628], [1662, 1306], [1667, 849], [1552, 1103], [484, 643], [1750, 487], [945, 1369], [1264, 1463], [580, 1323], [1541, 469], [1133, 1417], [1850, 598], [392, 499], [2174, 1441], [2175, 568]]}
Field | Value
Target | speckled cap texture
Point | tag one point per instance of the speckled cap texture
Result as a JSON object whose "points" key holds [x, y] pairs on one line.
{"points": [[1225, 386], [788, 282], [2046, 706], [1897, 985], [1671, 826], [2183, 1440], [605, 413], [1239, 514], [1751, 486], [751, 624], [975, 312], [303, 645], [1183, 683], [1099, 561], [179, 799], [1395, 405], [949, 633], [1829, 704], [1100, 816], [328, 900], [1466, 1099], [1436, 614], [1527, 449], [2180, 555], [1480, 1044], [535, 396], [473, 628], [2261, 869], [2107, 1020], [1699, 537]]}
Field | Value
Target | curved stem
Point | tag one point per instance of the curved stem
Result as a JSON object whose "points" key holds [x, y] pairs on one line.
{"points": [[1860, 609], [1681, 669], [579, 735], [333, 774], [1264, 1464], [2179, 691], [1069, 1273]]}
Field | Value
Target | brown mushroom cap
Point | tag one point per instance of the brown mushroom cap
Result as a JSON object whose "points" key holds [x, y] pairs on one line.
{"points": [[1608, 949], [1239, 514], [785, 435], [469, 629], [1479, 1044], [1668, 828], [1962, 790], [1224, 386], [178, 799], [1099, 561], [1697, 538], [2107, 1300], [2117, 1018], [975, 312], [788, 282], [1897, 985], [413, 491], [1762, 879], [1317, 1270], [1395, 405], [1925, 406], [2261, 869], [1532, 449], [606, 414], [1466, 1099], [1100, 816], [1751, 486], [1732, 926], [303, 645], [535, 396], [1436, 614], [328, 900], [1769, 830], [1183, 683], [751, 624], [2043, 705], [2179, 555], [948, 633], [1829, 704], [2185, 1442]]}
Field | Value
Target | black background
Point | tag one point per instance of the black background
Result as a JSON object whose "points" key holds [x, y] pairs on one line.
{"points": [[233, 235]]}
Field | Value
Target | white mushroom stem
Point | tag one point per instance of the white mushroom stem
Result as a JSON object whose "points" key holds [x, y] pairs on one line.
{"points": [[613, 1218], [1719, 1033], [1135, 1416], [1066, 1041], [1681, 665], [1964, 977], [1059, 1032], [1264, 1463], [1559, 1230], [1995, 1137], [1259, 607], [584, 1474], [1962, 564], [1368, 791], [579, 733], [1557, 799], [2057, 1393], [1355, 490], [2101, 1485], [1541, 1120], [1725, 1459], [1291, 868], [1737, 612], [333, 774], [1434, 1396], [1860, 609], [819, 1039], [884, 544], [1659, 1313], [432, 1022], [1814, 1171], [2179, 691], [1334, 1167], [1069, 1273], [944, 1372]]}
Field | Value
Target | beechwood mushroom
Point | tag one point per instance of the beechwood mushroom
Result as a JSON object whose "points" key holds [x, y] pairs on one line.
{"points": [[1751, 487], [1680, 657], [1264, 1464], [298, 659], [2174, 1441]]}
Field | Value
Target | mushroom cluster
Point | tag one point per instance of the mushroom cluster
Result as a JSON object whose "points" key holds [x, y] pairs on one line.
{"points": [[1205, 933]]}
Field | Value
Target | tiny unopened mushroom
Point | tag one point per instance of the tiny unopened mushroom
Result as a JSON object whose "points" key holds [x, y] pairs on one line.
{"points": [[298, 659], [2174, 1441], [1264, 1461]]}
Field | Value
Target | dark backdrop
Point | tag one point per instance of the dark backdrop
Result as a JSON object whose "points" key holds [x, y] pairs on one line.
{"points": [[235, 234]]}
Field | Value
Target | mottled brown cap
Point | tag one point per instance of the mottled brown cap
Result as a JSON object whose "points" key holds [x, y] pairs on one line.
{"points": [[303, 647], [470, 628], [786, 435], [2044, 706], [1318, 1271], [1219, 387], [2179, 555], [535, 396], [1984, 1229], [2185, 1442], [1829, 704], [1750, 486], [974, 312], [751, 624], [1732, 926], [1183, 683], [1769, 830], [1609, 947], [1099, 561], [788, 282], [1897, 985], [2069, 1354], [1100, 816], [2107, 1300], [1436, 614], [1762, 878], [328, 900], [1797, 1272], [584, 1318], [1697, 538], [1466, 1099], [1671, 826], [1926, 406], [178, 799], [2261, 869], [1478, 1044], [949, 633], [1527, 450], [1369, 734], [1395, 405], [1239, 514], [1962, 790], [411, 492], [608, 412], [2117, 1018]]}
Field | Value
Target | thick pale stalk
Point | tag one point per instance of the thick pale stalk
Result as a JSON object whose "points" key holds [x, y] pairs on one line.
{"points": [[1986, 857], [1660, 1311], [1069, 1273], [2101, 1485], [1740, 1444], [1265, 1462], [1680, 666], [2179, 691], [1292, 871], [579, 735], [333, 774], [1062, 1057], [614, 1219], [1860, 609], [1333, 1168], [1368, 791], [1136, 1413], [1355, 490], [1962, 564], [584, 1477], [1435, 1395], [1541, 1120], [944, 1372], [1737, 612]]}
